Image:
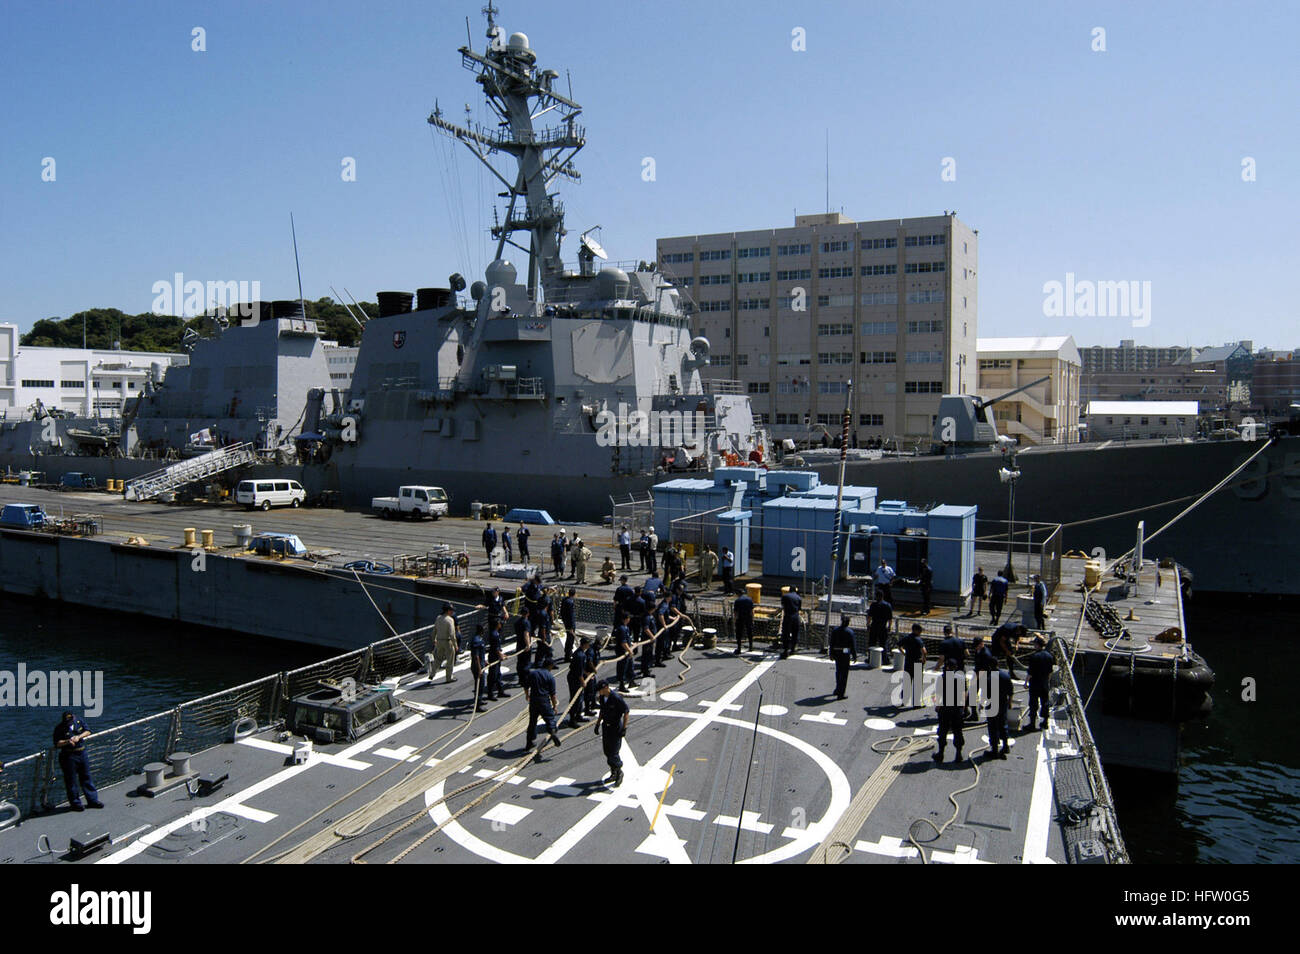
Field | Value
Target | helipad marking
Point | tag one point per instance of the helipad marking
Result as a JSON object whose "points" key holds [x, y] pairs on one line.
{"points": [[801, 841], [888, 846], [961, 855], [722, 706], [488, 773], [403, 753], [673, 696], [1040, 811], [826, 718], [561, 786], [660, 847], [505, 814], [880, 725], [772, 710], [749, 822]]}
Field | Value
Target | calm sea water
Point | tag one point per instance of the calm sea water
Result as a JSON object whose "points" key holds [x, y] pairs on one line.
{"points": [[1236, 799], [148, 665]]}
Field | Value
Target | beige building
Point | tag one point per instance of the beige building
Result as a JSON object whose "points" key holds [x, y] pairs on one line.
{"points": [[1047, 413], [793, 314]]}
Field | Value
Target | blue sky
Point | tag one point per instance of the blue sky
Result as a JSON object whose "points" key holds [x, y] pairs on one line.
{"points": [[1116, 165]]}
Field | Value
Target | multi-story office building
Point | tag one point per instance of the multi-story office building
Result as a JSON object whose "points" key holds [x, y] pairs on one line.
{"points": [[794, 314], [1276, 384], [1048, 412]]}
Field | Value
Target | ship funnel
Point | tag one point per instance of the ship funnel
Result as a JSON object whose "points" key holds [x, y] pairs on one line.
{"points": [[394, 303]]}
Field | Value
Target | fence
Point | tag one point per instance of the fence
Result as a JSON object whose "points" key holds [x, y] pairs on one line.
{"points": [[34, 783]]}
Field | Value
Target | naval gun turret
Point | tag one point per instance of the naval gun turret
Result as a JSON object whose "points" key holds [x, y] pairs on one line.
{"points": [[964, 424]]}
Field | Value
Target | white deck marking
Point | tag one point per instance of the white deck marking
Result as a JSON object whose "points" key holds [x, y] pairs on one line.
{"points": [[673, 696], [721, 706], [403, 753], [880, 725], [961, 855], [561, 786], [826, 718], [888, 846], [506, 814], [252, 814], [749, 822], [1040, 810], [488, 773], [772, 710], [316, 757]]}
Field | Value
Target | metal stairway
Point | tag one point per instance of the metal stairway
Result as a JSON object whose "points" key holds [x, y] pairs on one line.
{"points": [[188, 471]]}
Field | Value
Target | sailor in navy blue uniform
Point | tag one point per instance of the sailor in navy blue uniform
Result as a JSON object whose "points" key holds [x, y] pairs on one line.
{"points": [[950, 702], [998, 588], [1005, 638], [986, 669], [952, 649], [1040, 666], [623, 647], [665, 619], [70, 740], [997, 717], [540, 693], [843, 648], [478, 666], [879, 615], [496, 607], [914, 655], [557, 555], [790, 606], [612, 727], [521, 537], [523, 647], [1040, 601], [489, 541], [505, 545], [569, 617], [592, 663], [577, 672], [743, 612], [496, 659], [622, 597], [642, 633]]}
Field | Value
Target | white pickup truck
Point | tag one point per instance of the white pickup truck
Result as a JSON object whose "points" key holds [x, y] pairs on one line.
{"points": [[416, 501]]}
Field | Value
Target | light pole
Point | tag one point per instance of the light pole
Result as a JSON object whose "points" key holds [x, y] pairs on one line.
{"points": [[1009, 475]]}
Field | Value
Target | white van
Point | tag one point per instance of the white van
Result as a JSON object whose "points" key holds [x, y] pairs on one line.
{"points": [[269, 493]]}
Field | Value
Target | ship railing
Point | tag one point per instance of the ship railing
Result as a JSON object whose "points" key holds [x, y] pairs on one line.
{"points": [[33, 783], [723, 386], [527, 389]]}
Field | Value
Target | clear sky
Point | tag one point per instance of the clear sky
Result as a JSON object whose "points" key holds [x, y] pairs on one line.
{"points": [[1122, 165]]}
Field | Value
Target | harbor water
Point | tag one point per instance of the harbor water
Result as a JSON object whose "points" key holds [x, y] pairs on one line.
{"points": [[1236, 798]]}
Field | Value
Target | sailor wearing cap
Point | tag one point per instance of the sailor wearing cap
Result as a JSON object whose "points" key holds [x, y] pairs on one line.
{"points": [[612, 727], [1040, 601], [539, 690], [577, 672], [70, 740], [842, 649], [478, 666]]}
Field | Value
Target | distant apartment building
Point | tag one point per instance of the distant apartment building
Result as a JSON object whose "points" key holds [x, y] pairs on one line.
{"points": [[794, 314], [1140, 420], [1215, 377], [1128, 357], [1276, 383], [1047, 413], [84, 382], [342, 361]]}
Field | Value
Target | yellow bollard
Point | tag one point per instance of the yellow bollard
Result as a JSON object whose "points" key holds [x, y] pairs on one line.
{"points": [[207, 539], [755, 591], [189, 536]]}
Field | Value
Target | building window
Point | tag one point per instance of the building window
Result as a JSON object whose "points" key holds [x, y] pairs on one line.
{"points": [[834, 357], [925, 357], [716, 255], [879, 270], [922, 268], [762, 252], [758, 387], [832, 387], [835, 330], [29, 383], [880, 327], [72, 384], [880, 298], [925, 327], [804, 249], [794, 275], [923, 387], [745, 277], [877, 357], [715, 279], [679, 258], [840, 246], [755, 304], [839, 272], [869, 244], [871, 420], [914, 241], [834, 301], [724, 305]]}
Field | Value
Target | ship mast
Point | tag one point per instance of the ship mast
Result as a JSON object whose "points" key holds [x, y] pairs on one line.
{"points": [[520, 94]]}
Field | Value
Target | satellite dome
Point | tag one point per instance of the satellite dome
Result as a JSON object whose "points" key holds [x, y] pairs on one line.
{"points": [[612, 282], [500, 273], [519, 41], [478, 290]]}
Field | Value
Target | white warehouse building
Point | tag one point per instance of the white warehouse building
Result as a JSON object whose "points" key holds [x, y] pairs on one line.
{"points": [[82, 382]]}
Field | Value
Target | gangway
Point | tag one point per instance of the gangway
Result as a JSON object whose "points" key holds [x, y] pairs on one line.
{"points": [[188, 471]]}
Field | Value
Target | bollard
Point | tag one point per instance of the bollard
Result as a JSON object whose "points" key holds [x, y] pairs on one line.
{"points": [[189, 536], [180, 763], [153, 774], [710, 637], [877, 657], [898, 659], [207, 539]]}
